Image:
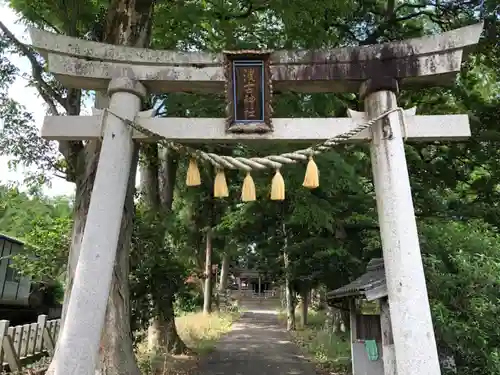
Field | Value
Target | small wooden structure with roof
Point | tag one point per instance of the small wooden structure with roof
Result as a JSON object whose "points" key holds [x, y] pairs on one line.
{"points": [[14, 288], [372, 346], [252, 280]]}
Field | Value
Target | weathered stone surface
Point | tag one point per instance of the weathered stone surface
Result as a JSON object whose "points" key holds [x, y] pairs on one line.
{"points": [[455, 39], [95, 75], [46, 42], [428, 61], [412, 71], [306, 130], [413, 332]]}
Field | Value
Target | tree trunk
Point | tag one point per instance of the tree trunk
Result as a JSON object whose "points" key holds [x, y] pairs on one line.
{"points": [[128, 23], [200, 253], [336, 316], [283, 296], [162, 333], [322, 302], [149, 186], [221, 290], [290, 302], [199, 247], [207, 292], [224, 273], [317, 301], [168, 172], [166, 177], [304, 296], [346, 320], [158, 183], [290, 307]]}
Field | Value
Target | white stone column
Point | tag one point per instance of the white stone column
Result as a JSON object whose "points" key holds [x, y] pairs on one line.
{"points": [[78, 346], [414, 341]]}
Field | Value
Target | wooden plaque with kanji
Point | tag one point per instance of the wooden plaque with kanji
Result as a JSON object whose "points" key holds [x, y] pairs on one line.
{"points": [[248, 92]]}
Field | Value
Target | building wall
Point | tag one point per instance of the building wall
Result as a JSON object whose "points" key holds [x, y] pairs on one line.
{"points": [[13, 288], [361, 365]]}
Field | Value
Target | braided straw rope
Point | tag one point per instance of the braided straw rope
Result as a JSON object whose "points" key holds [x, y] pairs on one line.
{"points": [[259, 163]]}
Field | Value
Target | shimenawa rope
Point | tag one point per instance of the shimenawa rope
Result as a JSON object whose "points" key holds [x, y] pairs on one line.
{"points": [[259, 163], [221, 162]]}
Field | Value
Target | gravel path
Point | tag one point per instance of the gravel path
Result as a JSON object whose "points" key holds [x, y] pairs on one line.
{"points": [[257, 345]]}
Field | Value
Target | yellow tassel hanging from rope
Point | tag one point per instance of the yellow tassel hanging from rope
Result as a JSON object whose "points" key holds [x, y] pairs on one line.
{"points": [[220, 185], [193, 174], [278, 187], [248, 189], [311, 178]]}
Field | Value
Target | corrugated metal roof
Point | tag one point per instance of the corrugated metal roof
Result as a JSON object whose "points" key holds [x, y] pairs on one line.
{"points": [[11, 239], [373, 278]]}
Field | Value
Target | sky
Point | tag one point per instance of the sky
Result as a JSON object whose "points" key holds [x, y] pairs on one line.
{"points": [[28, 97]]}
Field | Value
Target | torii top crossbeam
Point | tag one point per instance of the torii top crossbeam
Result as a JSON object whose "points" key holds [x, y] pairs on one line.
{"points": [[428, 61]]}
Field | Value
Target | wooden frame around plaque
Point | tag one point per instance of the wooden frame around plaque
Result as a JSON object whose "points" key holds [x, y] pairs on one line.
{"points": [[248, 105]]}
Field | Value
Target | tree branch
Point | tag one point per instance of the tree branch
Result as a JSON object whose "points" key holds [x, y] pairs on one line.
{"points": [[390, 9], [69, 149], [52, 26], [410, 16], [389, 23], [343, 27], [47, 99], [412, 6], [245, 14], [48, 93]]}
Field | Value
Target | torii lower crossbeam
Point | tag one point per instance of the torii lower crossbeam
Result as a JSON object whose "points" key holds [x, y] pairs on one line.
{"points": [[419, 128]]}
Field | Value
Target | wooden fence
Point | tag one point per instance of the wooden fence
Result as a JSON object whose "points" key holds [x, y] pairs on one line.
{"points": [[20, 344]]}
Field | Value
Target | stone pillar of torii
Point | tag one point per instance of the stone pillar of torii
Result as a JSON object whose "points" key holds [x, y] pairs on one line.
{"points": [[376, 72]]}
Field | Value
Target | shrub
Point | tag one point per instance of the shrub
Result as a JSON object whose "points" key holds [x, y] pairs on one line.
{"points": [[462, 266]]}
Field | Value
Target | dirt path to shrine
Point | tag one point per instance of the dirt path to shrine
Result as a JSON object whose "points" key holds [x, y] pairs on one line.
{"points": [[257, 345]]}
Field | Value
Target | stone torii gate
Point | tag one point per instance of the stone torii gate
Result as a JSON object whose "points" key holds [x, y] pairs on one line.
{"points": [[376, 72]]}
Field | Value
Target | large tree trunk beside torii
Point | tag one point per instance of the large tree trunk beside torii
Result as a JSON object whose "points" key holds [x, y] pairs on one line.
{"points": [[128, 22], [171, 339], [157, 185]]}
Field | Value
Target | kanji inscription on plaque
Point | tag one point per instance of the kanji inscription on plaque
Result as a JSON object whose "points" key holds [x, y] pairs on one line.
{"points": [[248, 93]]}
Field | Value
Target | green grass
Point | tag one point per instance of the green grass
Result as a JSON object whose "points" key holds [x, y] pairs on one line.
{"points": [[330, 350], [200, 333]]}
